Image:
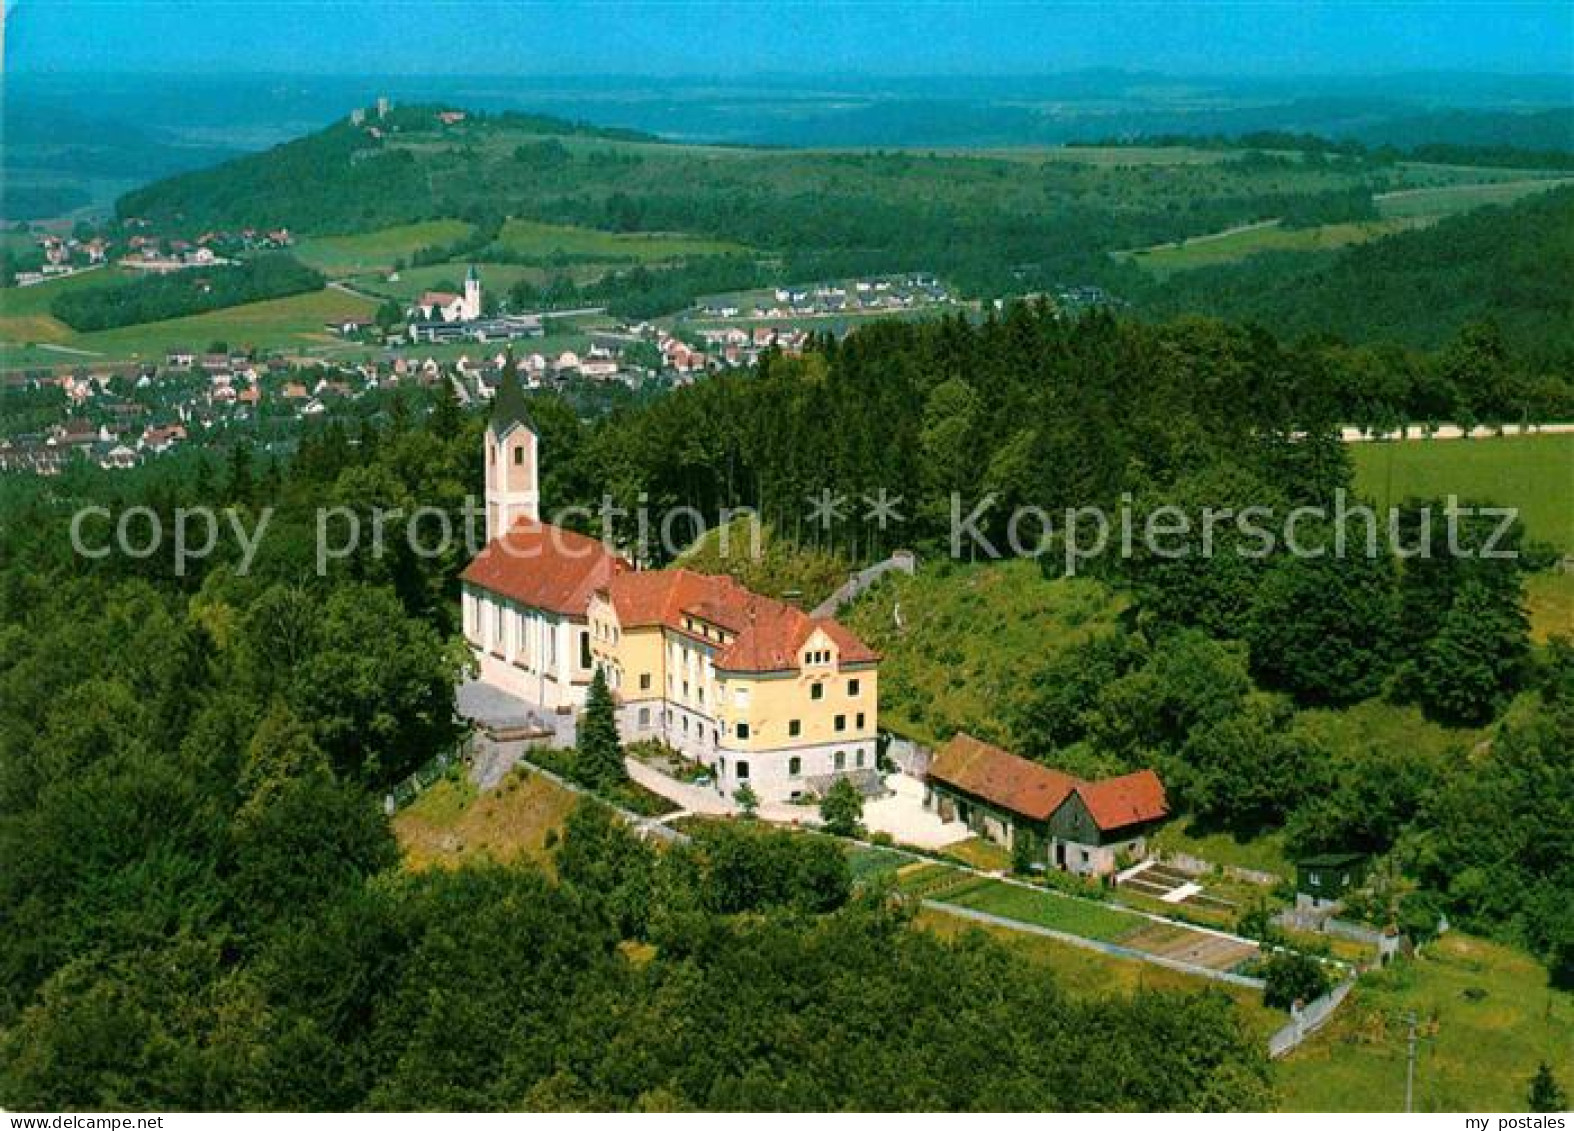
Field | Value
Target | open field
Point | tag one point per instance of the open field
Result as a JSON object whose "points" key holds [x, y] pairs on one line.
{"points": [[1486, 1018], [1534, 473], [566, 242], [1233, 246], [369, 251], [24, 311], [451, 823], [284, 323], [1435, 202], [1401, 210]]}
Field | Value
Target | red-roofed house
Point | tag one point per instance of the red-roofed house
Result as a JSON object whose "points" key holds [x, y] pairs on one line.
{"points": [[1090, 828], [760, 692]]}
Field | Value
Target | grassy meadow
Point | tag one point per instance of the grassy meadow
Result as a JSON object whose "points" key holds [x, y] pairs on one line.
{"points": [[24, 311], [1534, 473], [292, 323], [452, 823], [954, 653], [30, 335], [378, 250], [1486, 1017], [565, 242], [1401, 210]]}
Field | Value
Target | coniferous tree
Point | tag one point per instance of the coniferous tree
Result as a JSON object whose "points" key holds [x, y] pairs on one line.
{"points": [[598, 751], [1546, 1096]]}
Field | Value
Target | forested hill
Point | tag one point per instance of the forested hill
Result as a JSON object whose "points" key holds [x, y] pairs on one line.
{"points": [[345, 178], [992, 223], [1511, 264]]}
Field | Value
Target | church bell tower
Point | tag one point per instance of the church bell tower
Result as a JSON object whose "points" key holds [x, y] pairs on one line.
{"points": [[471, 302], [512, 486]]}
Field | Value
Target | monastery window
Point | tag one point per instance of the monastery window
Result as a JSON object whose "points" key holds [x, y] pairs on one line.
{"points": [[794, 729], [743, 771], [794, 767], [852, 687], [644, 681], [584, 649], [858, 759], [841, 759], [519, 456], [841, 722], [742, 730], [860, 723], [817, 691], [644, 716], [740, 697]]}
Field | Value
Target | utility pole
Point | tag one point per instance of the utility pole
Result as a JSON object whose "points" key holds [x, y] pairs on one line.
{"points": [[1410, 1065]]}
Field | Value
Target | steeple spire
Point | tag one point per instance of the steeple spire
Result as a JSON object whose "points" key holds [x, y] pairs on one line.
{"points": [[509, 406]]}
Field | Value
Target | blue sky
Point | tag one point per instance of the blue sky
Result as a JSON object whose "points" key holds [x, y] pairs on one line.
{"points": [[738, 37]]}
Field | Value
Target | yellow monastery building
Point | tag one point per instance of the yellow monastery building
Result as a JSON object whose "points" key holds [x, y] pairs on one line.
{"points": [[756, 690]]}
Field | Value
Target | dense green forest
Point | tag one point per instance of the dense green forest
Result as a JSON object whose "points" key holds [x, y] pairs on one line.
{"points": [[1509, 263], [192, 291], [203, 901], [204, 907]]}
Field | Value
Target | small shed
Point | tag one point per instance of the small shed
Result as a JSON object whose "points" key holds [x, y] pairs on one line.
{"points": [[1325, 879]]}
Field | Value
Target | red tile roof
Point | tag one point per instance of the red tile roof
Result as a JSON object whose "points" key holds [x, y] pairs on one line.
{"points": [[1130, 799], [1035, 791], [545, 567], [1001, 778], [767, 635]]}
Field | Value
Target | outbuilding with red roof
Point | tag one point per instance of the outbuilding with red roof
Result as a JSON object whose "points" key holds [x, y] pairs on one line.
{"points": [[1087, 827]]}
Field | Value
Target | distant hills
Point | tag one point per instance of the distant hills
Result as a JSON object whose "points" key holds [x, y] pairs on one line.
{"points": [[1510, 264]]}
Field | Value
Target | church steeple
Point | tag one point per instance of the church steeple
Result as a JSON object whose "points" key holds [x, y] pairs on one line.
{"points": [[509, 406], [512, 489], [472, 296]]}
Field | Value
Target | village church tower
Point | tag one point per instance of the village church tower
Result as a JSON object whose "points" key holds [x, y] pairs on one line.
{"points": [[512, 486]]}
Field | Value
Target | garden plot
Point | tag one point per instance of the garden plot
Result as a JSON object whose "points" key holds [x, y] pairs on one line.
{"points": [[1170, 885], [1184, 944]]}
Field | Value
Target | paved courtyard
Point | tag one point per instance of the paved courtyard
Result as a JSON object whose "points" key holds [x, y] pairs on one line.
{"points": [[901, 813]]}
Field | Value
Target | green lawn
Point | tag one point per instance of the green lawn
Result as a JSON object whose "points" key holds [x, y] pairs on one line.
{"points": [[370, 251], [1486, 1019], [958, 659], [1081, 917], [562, 241], [1533, 473]]}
